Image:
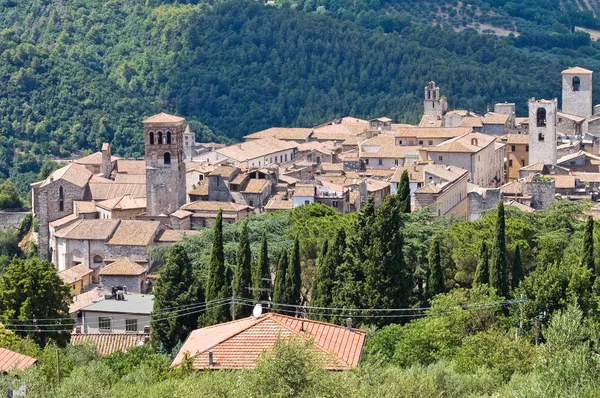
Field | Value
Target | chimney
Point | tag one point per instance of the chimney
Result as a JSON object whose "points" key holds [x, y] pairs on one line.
{"points": [[147, 329], [211, 362], [349, 323], [106, 160]]}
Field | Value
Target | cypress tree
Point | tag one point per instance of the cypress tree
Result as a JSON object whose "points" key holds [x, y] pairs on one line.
{"points": [[325, 275], [242, 277], [173, 290], [280, 293], [435, 281], [217, 286], [482, 273], [498, 277], [404, 192], [294, 275], [262, 279], [320, 291], [587, 259], [517, 268]]}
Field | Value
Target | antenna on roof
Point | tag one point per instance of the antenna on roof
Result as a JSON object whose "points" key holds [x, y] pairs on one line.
{"points": [[257, 311]]}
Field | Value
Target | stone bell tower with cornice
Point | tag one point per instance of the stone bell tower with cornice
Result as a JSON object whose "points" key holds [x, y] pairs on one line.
{"points": [[165, 170]]}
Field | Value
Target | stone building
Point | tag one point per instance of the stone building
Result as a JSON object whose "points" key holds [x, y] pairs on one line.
{"points": [[542, 131], [577, 93], [445, 188], [165, 169], [189, 144], [518, 154], [433, 104], [126, 273]]}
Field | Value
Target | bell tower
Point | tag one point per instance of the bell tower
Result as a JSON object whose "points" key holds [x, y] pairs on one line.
{"points": [[433, 104], [165, 170], [542, 131]]}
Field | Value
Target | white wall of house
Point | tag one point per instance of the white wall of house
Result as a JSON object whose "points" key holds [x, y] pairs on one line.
{"points": [[301, 200], [413, 187], [118, 322], [381, 163]]}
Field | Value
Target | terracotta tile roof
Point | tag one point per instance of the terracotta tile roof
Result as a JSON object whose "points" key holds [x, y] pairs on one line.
{"points": [[512, 188], [587, 177], [134, 233], [10, 360], [126, 202], [256, 186], [384, 146], [352, 120], [86, 298], [338, 132], [181, 214], [332, 178], [75, 273], [199, 190], [93, 159], [279, 204], [520, 206], [287, 179], [376, 185], [517, 139], [238, 344], [74, 173], [64, 221], [430, 121], [577, 71], [534, 167], [255, 149], [224, 171], [326, 147], [131, 166], [176, 235], [573, 118], [576, 155], [164, 118], [123, 178], [89, 230], [415, 173], [432, 132], [521, 120], [495, 118], [331, 167], [563, 181], [123, 266], [104, 191], [354, 195], [464, 143], [447, 173], [304, 190], [282, 133], [353, 141], [109, 343], [471, 121], [209, 205], [84, 207]]}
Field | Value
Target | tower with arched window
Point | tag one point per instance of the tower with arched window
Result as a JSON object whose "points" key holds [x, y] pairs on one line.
{"points": [[433, 104], [165, 170], [542, 131], [577, 93]]}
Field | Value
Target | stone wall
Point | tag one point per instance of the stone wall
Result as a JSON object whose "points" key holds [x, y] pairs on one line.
{"points": [[218, 189], [133, 283], [482, 200], [11, 219], [542, 192]]}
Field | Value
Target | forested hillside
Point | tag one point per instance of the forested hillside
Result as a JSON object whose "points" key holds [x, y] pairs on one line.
{"points": [[77, 73]]}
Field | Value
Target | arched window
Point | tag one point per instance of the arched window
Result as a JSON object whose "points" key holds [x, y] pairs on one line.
{"points": [[167, 158], [61, 199], [576, 83], [98, 260], [541, 117], [168, 137], [160, 140], [151, 137]]}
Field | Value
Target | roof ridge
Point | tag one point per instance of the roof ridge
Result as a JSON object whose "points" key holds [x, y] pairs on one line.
{"points": [[258, 320]]}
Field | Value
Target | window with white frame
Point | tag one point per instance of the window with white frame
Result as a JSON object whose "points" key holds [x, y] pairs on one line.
{"points": [[131, 325]]}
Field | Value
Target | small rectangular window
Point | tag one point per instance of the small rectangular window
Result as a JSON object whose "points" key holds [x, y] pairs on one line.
{"points": [[131, 325], [307, 202], [522, 163], [440, 158], [335, 204], [366, 161], [380, 162], [104, 324], [420, 142], [430, 142], [509, 162], [400, 142], [527, 148], [512, 148], [396, 162], [286, 157]]}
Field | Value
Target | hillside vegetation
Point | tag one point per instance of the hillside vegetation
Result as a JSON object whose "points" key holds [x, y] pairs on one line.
{"points": [[78, 73]]}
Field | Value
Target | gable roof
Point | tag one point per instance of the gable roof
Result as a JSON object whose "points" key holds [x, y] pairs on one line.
{"points": [[464, 143], [128, 166], [75, 273], [304, 190], [123, 266], [102, 191], [432, 132], [517, 138], [176, 235], [282, 133], [164, 118], [384, 146], [10, 360], [125, 202], [108, 343], [256, 148], [74, 173], [134, 233], [99, 229], [495, 118], [211, 205], [93, 159], [238, 344]]}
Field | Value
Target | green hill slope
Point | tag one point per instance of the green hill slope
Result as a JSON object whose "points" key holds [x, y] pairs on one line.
{"points": [[81, 72]]}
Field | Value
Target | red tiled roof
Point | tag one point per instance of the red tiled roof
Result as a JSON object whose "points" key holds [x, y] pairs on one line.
{"points": [[10, 360], [238, 344], [108, 343]]}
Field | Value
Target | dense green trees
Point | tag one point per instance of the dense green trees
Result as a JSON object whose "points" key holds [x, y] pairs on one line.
{"points": [[9, 196], [31, 290], [218, 285], [498, 274], [262, 279], [293, 277], [175, 291], [404, 192], [482, 273], [242, 277], [435, 282], [587, 258], [281, 292]]}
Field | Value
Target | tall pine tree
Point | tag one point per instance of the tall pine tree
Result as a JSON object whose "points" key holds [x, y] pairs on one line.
{"points": [[587, 258], [280, 291], [262, 279], [435, 281], [498, 274], [325, 275], [242, 277], [404, 192], [517, 268], [294, 275], [482, 273], [217, 286], [175, 288]]}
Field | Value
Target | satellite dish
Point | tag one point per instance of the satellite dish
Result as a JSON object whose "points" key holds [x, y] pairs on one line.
{"points": [[257, 311]]}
